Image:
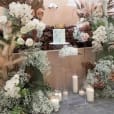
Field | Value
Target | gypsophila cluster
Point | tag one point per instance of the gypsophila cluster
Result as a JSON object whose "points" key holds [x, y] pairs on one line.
{"points": [[99, 37], [39, 60], [68, 51], [41, 103], [7, 103], [104, 68], [33, 24]]}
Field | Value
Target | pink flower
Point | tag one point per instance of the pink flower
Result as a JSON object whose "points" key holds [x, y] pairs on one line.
{"points": [[85, 36]]}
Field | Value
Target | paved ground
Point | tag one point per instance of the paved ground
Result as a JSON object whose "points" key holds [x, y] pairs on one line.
{"points": [[75, 104]]}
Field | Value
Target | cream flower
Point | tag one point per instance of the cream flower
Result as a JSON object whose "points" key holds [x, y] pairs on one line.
{"points": [[41, 26], [20, 41], [11, 88], [29, 42], [22, 11], [3, 19], [23, 30], [32, 24], [84, 36]]}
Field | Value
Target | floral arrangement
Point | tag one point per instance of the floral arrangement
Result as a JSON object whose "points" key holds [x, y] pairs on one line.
{"points": [[15, 23], [91, 16], [68, 51], [47, 106], [17, 98], [101, 77], [24, 83], [80, 36], [20, 21]]}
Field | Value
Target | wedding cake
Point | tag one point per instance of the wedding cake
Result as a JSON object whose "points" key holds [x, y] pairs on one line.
{"points": [[59, 36]]}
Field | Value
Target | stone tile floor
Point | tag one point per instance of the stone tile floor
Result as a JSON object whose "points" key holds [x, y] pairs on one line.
{"points": [[74, 104]]}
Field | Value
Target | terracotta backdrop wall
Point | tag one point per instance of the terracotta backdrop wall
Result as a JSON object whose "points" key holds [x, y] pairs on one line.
{"points": [[64, 14]]}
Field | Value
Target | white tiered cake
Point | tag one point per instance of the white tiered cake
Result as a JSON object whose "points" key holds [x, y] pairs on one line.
{"points": [[59, 36]]}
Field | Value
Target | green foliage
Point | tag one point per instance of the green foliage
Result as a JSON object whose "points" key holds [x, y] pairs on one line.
{"points": [[111, 20], [107, 92], [38, 60], [102, 53], [17, 110], [26, 100], [96, 22], [7, 103], [36, 81], [105, 52], [25, 92], [35, 66], [16, 25]]}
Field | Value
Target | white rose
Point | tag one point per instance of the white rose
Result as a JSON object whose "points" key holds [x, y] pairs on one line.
{"points": [[3, 19], [41, 26], [6, 36], [29, 42], [29, 26], [20, 41], [16, 76], [24, 30]]}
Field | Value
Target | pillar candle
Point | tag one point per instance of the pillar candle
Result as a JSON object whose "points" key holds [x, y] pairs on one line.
{"points": [[81, 92], [65, 93], [54, 101], [75, 83], [59, 95], [90, 94]]}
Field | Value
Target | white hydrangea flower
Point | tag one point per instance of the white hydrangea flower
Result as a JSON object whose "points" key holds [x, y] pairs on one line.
{"points": [[20, 41], [3, 20], [32, 24], [99, 36], [29, 42], [96, 46], [41, 26], [22, 11], [11, 88], [6, 36], [13, 92]]}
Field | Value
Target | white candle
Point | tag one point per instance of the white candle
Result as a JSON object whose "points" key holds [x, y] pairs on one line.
{"points": [[65, 93], [75, 83], [81, 92], [90, 94], [59, 95], [55, 101]]}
